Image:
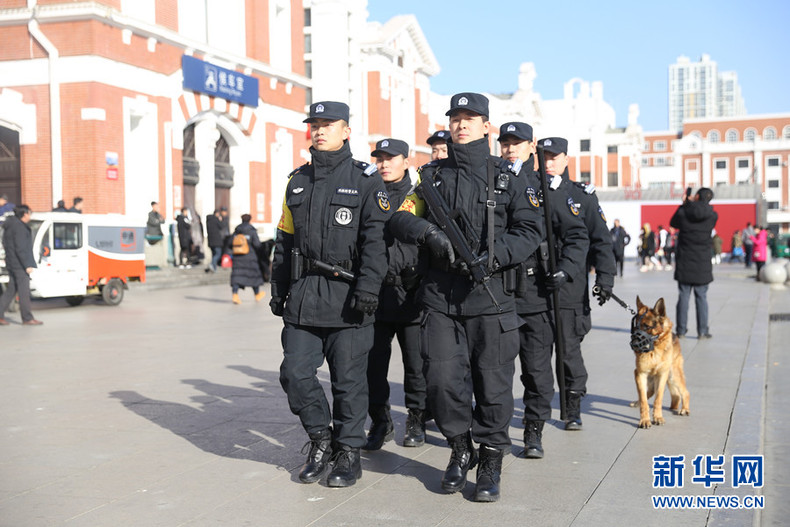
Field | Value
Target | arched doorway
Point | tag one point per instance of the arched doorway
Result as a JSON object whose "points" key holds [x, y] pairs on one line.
{"points": [[10, 168]]}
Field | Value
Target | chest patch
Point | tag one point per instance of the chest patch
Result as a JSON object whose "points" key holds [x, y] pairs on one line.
{"points": [[573, 207], [532, 195], [343, 216], [348, 191], [383, 199]]}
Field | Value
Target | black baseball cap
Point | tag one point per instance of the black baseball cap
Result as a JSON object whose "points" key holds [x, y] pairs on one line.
{"points": [[555, 145], [439, 135], [393, 147], [332, 110], [472, 102], [517, 129]]}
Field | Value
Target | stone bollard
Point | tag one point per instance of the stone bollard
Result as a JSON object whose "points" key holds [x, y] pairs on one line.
{"points": [[774, 274]]}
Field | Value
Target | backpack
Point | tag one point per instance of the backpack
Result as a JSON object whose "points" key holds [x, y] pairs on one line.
{"points": [[240, 244]]}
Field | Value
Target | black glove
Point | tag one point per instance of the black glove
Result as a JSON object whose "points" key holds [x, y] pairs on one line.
{"points": [[438, 242], [364, 302], [277, 305], [603, 293], [410, 277], [556, 280]]}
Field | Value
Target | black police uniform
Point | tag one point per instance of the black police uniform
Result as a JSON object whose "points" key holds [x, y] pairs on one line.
{"points": [[398, 315], [468, 346], [574, 296], [534, 301], [334, 213]]}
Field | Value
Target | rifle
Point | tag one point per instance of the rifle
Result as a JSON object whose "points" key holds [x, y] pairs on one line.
{"points": [[446, 220], [559, 340]]}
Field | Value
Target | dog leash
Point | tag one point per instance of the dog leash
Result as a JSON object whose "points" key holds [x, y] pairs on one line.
{"points": [[597, 289]]}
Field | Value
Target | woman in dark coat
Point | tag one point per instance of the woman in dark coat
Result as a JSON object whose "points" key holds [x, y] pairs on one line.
{"points": [[246, 270]]}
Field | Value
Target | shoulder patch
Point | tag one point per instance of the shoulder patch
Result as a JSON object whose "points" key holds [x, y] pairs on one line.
{"points": [[433, 163], [589, 188], [600, 211], [298, 169], [572, 206], [506, 166], [367, 168], [532, 196], [383, 200]]}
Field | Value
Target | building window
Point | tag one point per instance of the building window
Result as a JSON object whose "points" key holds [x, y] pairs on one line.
{"points": [[743, 163], [646, 146], [773, 183], [645, 161], [749, 134], [786, 132], [611, 149], [721, 164], [769, 134], [308, 69], [660, 161], [713, 136], [773, 161], [584, 145], [732, 136], [660, 146], [308, 16], [773, 205], [611, 179]]}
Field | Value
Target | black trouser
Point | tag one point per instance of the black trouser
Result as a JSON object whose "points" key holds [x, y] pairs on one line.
{"points": [[537, 341], [379, 361], [468, 357], [346, 352], [18, 284], [619, 259], [748, 249]]}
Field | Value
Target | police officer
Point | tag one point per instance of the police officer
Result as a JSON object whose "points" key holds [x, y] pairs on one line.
{"points": [[328, 266], [534, 301], [438, 144], [574, 299], [398, 314], [469, 342]]}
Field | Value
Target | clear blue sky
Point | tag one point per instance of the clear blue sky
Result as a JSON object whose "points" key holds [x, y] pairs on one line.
{"points": [[628, 45]]}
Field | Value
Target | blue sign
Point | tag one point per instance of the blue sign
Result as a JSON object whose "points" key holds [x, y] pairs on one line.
{"points": [[204, 77]]}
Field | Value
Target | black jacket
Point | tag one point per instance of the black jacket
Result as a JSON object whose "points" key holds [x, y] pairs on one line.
{"points": [[396, 301], [246, 271], [214, 233], [571, 242], [335, 211], [184, 232], [695, 221], [620, 239], [600, 255], [18, 244], [462, 180]]}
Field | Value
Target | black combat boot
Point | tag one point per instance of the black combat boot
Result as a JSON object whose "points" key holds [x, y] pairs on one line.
{"points": [[462, 459], [318, 457], [488, 473], [347, 467], [533, 434], [381, 428], [573, 406], [415, 428]]}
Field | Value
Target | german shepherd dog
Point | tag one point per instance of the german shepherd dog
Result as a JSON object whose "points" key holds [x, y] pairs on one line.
{"points": [[658, 363]]}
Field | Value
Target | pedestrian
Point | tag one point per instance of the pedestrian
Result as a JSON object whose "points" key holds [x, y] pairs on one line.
{"points": [[661, 241], [196, 231], [736, 252], [153, 227], [20, 262], [716, 243], [533, 299], [6, 208], [215, 239], [61, 207], [760, 247], [398, 315], [470, 340], [438, 144], [748, 245], [620, 239], [77, 206], [574, 298], [647, 248], [246, 271], [669, 247], [329, 263], [184, 238], [695, 220]]}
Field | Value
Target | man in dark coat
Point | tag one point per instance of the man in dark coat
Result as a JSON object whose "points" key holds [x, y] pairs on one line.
{"points": [[215, 239], [184, 238], [695, 219], [620, 239], [246, 271], [20, 262]]}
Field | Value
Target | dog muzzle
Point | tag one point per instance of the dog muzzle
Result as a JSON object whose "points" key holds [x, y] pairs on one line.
{"points": [[641, 340]]}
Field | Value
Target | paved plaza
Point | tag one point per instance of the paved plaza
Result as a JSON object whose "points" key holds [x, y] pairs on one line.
{"points": [[167, 411]]}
